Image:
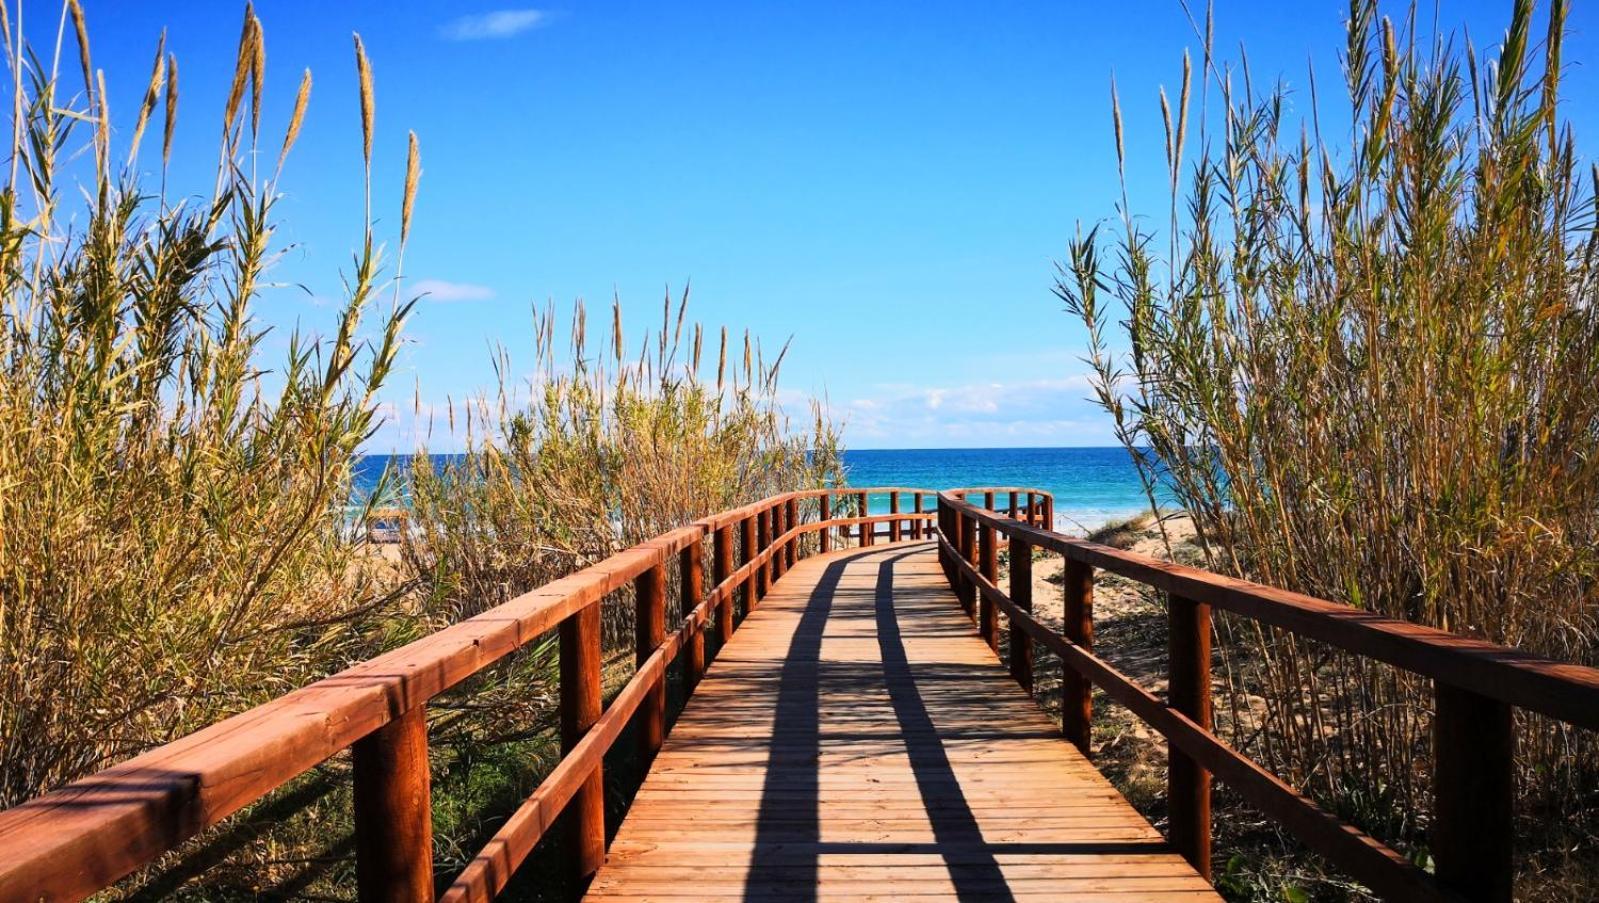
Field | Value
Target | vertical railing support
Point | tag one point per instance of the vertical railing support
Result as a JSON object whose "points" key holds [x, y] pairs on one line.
{"points": [[916, 523], [967, 548], [746, 555], [826, 514], [1076, 693], [894, 534], [777, 528], [1187, 784], [649, 590], [792, 519], [691, 588], [1032, 515], [394, 812], [866, 529], [721, 569], [1047, 516], [1474, 746], [946, 528], [763, 538], [1021, 593], [1013, 506], [580, 708], [988, 566]]}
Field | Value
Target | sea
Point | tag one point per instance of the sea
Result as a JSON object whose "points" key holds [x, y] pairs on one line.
{"points": [[1092, 486]]}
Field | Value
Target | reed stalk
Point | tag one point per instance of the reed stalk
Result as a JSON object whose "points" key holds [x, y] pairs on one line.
{"points": [[1366, 368], [173, 545]]}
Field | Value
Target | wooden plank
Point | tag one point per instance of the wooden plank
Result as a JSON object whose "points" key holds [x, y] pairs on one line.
{"points": [[857, 739]]}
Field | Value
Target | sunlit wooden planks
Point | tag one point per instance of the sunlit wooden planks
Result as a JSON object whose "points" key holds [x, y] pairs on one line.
{"points": [[857, 740]]}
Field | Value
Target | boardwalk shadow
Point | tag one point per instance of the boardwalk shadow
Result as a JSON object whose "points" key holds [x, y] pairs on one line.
{"points": [[788, 845]]}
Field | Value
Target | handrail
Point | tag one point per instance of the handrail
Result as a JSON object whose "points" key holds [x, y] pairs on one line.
{"points": [[1477, 684], [82, 838]]}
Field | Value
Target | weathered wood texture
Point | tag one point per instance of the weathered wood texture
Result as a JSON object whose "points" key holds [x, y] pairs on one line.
{"points": [[858, 740], [394, 812]]}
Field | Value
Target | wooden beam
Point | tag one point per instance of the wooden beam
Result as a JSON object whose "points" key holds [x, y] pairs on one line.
{"points": [[1474, 795], [988, 564], [1021, 592], [721, 569], [649, 632], [1187, 782], [691, 590], [1076, 693], [581, 706], [394, 812], [747, 552]]}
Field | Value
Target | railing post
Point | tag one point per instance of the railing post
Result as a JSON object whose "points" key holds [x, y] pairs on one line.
{"points": [[580, 708], [916, 524], [947, 530], [1187, 784], [691, 576], [1032, 516], [776, 527], [746, 555], [866, 529], [763, 538], [988, 566], [721, 569], [1076, 693], [1013, 500], [1474, 793], [792, 519], [394, 812], [968, 589], [988, 501], [893, 525], [1021, 593], [649, 590], [1048, 514], [826, 513]]}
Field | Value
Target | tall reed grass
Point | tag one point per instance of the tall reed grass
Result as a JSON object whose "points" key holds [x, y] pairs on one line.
{"points": [[599, 449], [1365, 362], [171, 504]]}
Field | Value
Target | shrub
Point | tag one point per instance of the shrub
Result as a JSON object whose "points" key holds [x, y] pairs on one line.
{"points": [[172, 542], [1368, 374]]}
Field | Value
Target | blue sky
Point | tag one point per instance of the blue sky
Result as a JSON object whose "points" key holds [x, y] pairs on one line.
{"points": [[888, 184]]}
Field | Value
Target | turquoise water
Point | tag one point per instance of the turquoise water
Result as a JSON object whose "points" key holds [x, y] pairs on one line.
{"points": [[1091, 485]]}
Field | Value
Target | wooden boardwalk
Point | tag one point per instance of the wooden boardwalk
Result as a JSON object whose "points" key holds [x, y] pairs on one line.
{"points": [[857, 741]]}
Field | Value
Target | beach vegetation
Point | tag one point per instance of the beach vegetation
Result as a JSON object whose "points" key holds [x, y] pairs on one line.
{"points": [[1362, 355]]}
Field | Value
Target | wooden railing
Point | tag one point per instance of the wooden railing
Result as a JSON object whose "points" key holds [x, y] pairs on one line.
{"points": [[84, 837], [1477, 684]]}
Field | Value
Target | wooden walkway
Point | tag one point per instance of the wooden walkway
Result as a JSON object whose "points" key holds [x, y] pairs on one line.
{"points": [[857, 741]]}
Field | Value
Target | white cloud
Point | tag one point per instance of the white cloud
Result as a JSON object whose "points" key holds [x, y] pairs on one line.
{"points": [[503, 23], [441, 290], [1027, 412]]}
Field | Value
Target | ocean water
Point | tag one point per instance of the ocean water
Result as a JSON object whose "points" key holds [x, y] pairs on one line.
{"points": [[1091, 485]]}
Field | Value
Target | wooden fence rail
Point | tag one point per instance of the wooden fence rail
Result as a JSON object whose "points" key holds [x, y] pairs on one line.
{"points": [[1477, 686], [82, 838], [73, 842]]}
